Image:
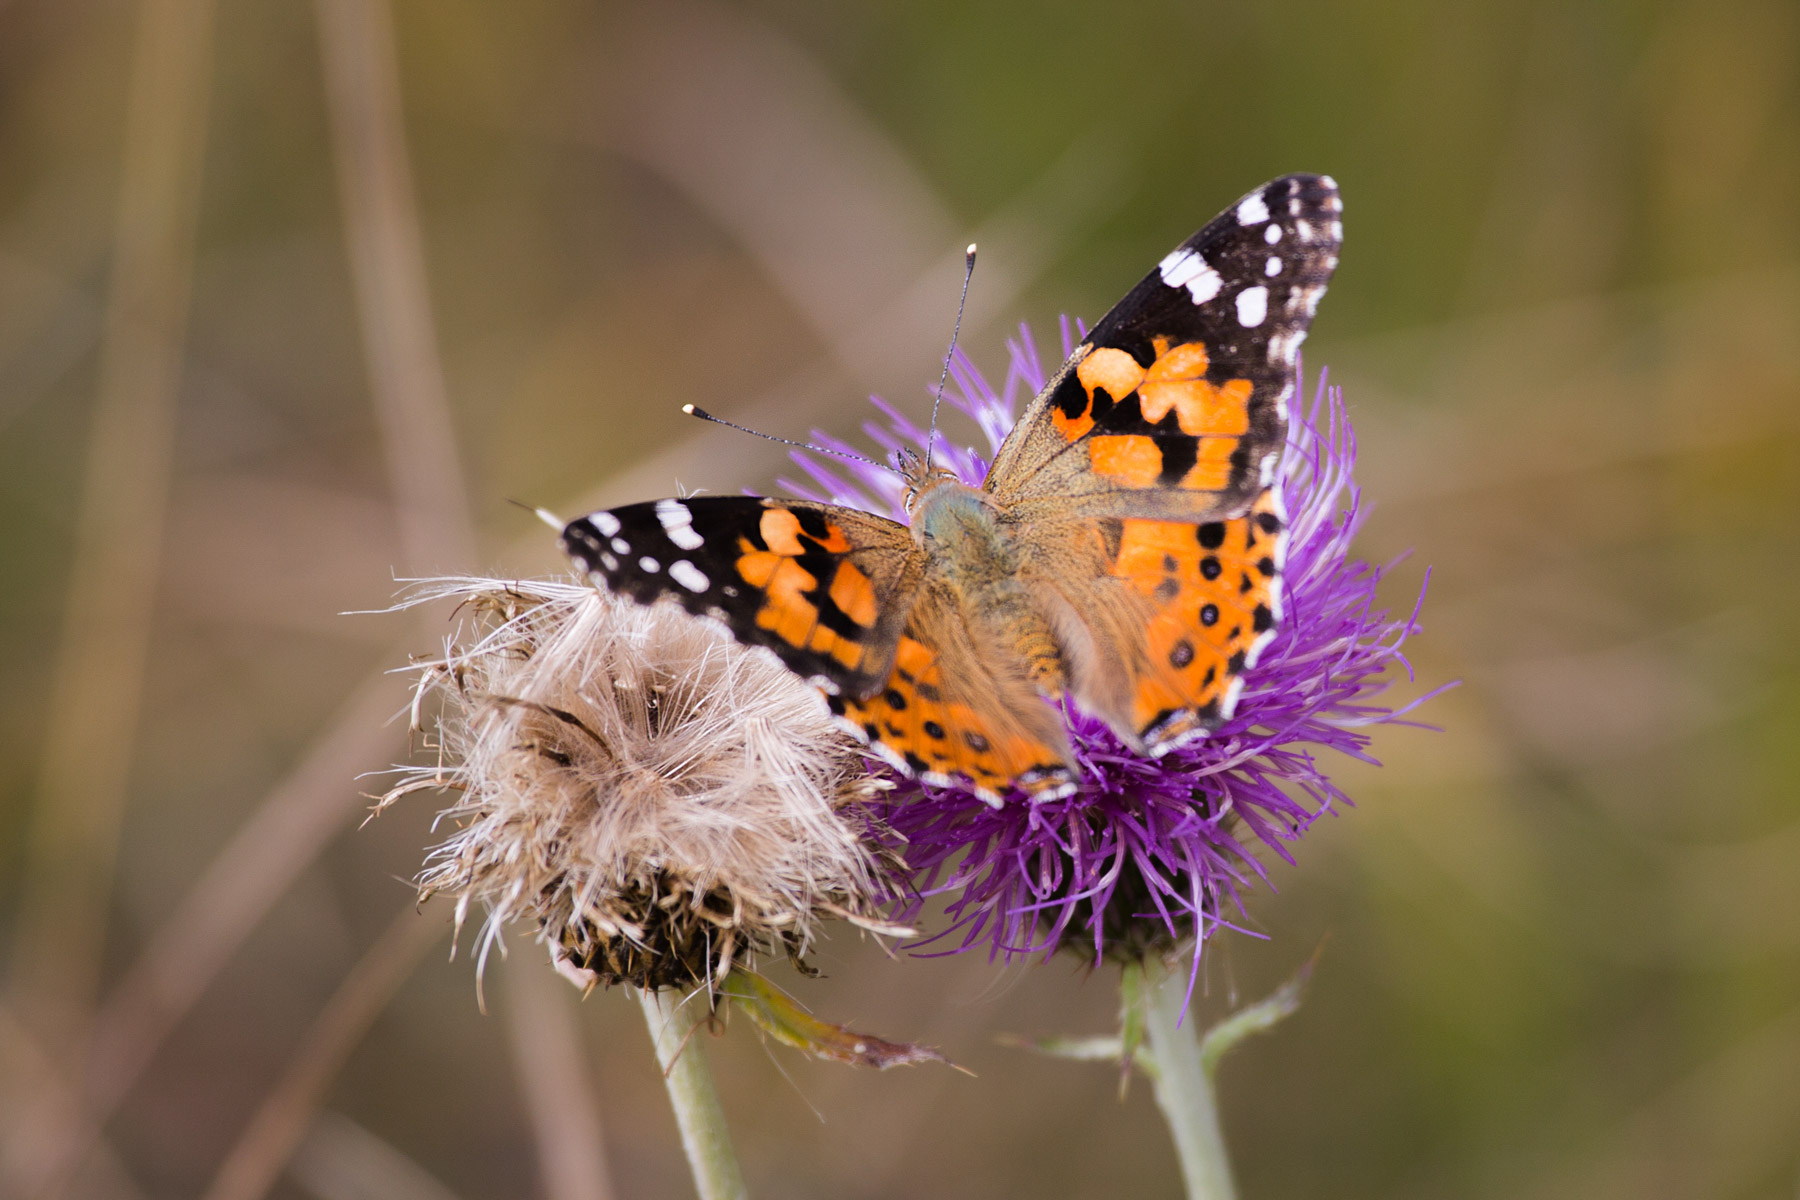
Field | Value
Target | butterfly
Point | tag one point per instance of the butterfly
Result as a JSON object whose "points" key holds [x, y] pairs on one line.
{"points": [[1125, 550]]}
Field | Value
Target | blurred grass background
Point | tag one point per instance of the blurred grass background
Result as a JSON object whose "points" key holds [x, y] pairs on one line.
{"points": [[294, 297]]}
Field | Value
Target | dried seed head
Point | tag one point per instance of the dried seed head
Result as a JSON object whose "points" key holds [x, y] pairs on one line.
{"points": [[664, 803]]}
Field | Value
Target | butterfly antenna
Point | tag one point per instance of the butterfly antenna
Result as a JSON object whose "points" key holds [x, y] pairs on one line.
{"points": [[968, 273], [543, 514], [695, 411]]}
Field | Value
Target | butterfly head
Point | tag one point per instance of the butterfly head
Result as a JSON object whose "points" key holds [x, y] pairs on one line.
{"points": [[921, 476]]}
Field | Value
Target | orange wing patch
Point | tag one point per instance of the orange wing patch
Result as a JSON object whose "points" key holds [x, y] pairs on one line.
{"points": [[795, 608], [854, 594], [1176, 382], [1132, 459], [1215, 592], [1107, 369], [1123, 410], [782, 533], [912, 726], [1211, 471]]}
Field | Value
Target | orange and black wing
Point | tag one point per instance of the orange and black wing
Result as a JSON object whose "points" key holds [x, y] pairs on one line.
{"points": [[838, 595], [1213, 593], [826, 588], [1170, 614], [954, 712], [1175, 404]]}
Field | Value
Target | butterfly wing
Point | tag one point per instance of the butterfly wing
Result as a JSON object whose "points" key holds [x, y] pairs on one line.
{"points": [[1138, 482], [837, 595], [956, 711], [1160, 619], [826, 588], [1175, 405]]}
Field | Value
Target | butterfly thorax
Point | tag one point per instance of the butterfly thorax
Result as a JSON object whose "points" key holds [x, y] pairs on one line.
{"points": [[969, 553], [944, 509]]}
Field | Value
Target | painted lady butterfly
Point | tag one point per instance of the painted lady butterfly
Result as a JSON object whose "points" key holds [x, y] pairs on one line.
{"points": [[1125, 548]]}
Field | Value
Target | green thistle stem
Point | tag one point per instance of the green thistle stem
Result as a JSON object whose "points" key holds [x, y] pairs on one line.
{"points": [[1183, 1086], [673, 1019]]}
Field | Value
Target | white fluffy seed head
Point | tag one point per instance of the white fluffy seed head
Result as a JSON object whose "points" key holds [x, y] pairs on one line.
{"points": [[661, 801]]}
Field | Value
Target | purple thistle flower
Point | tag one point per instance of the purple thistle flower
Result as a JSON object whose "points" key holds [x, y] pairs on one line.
{"points": [[1150, 851]]}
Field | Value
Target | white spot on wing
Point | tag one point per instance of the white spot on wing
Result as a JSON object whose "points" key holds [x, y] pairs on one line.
{"points": [[1228, 704], [688, 575], [678, 523], [1272, 234], [1272, 268], [650, 565], [1252, 306], [605, 522], [1278, 348], [1281, 549], [1281, 407], [1186, 269], [1252, 211], [852, 728], [621, 546], [608, 561], [1284, 347]]}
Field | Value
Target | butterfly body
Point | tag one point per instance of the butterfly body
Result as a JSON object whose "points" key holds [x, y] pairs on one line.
{"points": [[1124, 550], [967, 552]]}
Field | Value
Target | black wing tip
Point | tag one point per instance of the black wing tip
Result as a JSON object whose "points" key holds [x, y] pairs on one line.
{"points": [[1300, 196], [1309, 188]]}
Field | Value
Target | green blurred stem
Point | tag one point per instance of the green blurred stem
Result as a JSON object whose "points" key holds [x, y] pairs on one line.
{"points": [[673, 1021], [1183, 1087]]}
